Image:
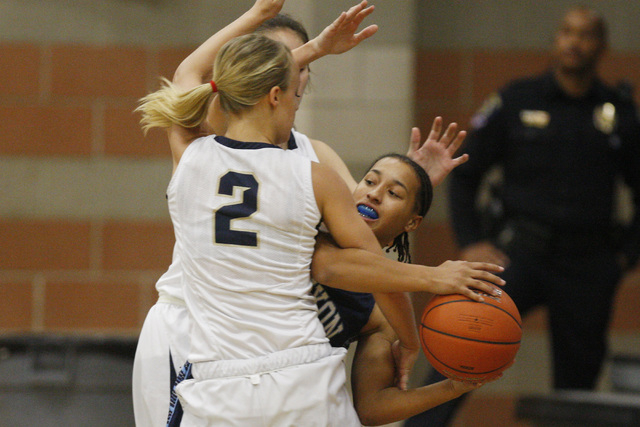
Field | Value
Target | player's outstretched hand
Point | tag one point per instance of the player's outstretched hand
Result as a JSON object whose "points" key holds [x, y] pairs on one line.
{"points": [[463, 277], [436, 154], [341, 36], [404, 359], [267, 9]]}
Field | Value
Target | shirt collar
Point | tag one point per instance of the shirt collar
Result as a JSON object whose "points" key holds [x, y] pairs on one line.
{"points": [[232, 143], [552, 88], [291, 144]]}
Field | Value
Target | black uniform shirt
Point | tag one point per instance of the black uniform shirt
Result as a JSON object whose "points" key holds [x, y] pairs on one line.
{"points": [[560, 156]]}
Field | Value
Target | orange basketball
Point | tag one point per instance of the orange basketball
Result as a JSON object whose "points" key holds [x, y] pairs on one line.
{"points": [[468, 340]]}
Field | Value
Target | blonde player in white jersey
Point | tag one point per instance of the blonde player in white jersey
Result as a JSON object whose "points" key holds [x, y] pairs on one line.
{"points": [[164, 339], [163, 342], [245, 214]]}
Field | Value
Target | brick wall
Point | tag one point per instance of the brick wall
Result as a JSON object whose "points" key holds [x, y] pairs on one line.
{"points": [[75, 102], [67, 271], [84, 227]]}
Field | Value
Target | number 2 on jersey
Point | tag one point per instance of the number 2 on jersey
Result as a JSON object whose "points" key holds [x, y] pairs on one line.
{"points": [[223, 233]]}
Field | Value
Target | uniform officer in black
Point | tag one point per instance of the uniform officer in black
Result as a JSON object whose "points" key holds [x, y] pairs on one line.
{"points": [[562, 140]]}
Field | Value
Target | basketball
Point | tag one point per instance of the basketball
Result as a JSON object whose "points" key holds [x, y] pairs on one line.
{"points": [[468, 340]]}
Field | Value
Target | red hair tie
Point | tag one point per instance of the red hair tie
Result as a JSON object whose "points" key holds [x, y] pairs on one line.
{"points": [[213, 86]]}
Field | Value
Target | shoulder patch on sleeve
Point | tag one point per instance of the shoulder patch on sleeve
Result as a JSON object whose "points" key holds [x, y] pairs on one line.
{"points": [[488, 107]]}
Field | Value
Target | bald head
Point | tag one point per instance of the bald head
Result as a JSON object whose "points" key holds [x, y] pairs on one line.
{"points": [[580, 41], [592, 18]]}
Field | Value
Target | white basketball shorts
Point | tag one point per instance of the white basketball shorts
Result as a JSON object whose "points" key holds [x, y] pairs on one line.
{"points": [[165, 334], [304, 386]]}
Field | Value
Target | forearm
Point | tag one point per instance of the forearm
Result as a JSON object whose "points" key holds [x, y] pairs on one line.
{"points": [[307, 53], [356, 270], [362, 271], [398, 310], [376, 397], [391, 404]]}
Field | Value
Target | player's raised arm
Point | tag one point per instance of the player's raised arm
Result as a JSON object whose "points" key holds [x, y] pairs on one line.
{"points": [[196, 68]]}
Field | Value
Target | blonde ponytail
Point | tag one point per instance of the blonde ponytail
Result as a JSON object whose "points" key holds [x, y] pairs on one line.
{"points": [[168, 106]]}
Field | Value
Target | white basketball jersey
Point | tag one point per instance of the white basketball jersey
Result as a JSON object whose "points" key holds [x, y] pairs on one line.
{"points": [[169, 284], [245, 220]]}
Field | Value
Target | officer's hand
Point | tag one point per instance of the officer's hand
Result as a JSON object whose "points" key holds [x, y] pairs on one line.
{"points": [[484, 251]]}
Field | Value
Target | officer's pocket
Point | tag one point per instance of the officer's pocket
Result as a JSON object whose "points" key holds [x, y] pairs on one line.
{"points": [[523, 235]]}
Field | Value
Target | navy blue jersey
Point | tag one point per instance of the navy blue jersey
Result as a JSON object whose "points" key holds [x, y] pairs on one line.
{"points": [[343, 313]]}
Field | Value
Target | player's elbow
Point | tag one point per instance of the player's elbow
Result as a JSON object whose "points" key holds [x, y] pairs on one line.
{"points": [[325, 264], [370, 419], [369, 413], [323, 270]]}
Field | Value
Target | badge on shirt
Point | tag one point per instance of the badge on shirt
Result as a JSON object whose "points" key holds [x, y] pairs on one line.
{"points": [[535, 118], [604, 118]]}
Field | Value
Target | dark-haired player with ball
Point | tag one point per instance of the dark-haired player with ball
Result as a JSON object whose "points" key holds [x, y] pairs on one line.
{"points": [[393, 198]]}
